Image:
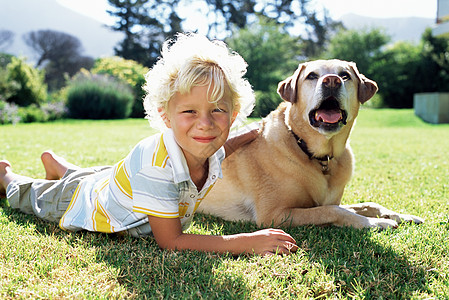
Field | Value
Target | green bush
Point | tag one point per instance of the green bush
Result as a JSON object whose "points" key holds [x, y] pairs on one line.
{"points": [[98, 97], [32, 114], [129, 71], [265, 103], [31, 88], [44, 113]]}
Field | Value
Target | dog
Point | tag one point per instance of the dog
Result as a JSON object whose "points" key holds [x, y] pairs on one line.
{"points": [[295, 171]]}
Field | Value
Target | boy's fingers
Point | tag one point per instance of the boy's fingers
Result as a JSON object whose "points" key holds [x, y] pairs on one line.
{"points": [[285, 250], [291, 247], [285, 236]]}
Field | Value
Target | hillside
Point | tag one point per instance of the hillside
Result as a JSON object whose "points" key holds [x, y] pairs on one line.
{"points": [[22, 16], [400, 29]]}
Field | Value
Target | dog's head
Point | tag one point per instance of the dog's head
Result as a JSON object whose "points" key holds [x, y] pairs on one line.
{"points": [[328, 92]]}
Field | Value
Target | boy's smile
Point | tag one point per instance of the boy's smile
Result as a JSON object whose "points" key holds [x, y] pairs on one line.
{"points": [[200, 127]]}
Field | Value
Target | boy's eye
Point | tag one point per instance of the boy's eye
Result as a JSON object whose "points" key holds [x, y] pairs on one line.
{"points": [[188, 111], [219, 110]]}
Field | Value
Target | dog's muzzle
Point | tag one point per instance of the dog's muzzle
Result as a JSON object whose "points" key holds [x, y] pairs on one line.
{"points": [[328, 115]]}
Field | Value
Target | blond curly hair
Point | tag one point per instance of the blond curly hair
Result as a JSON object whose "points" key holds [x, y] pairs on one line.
{"points": [[193, 60]]}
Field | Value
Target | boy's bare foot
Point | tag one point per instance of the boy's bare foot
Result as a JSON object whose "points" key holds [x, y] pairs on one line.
{"points": [[55, 166], [6, 176]]}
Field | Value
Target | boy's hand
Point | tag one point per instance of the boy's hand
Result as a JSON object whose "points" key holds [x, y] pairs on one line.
{"points": [[169, 235], [270, 241], [236, 142]]}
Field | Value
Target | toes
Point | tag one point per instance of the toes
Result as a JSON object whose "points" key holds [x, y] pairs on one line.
{"points": [[47, 154], [4, 164], [400, 218], [412, 219], [383, 223]]}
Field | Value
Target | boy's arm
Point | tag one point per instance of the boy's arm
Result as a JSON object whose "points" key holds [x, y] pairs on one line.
{"points": [[236, 142], [169, 235]]}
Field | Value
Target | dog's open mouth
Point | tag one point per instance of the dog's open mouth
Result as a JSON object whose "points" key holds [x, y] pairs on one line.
{"points": [[328, 116]]}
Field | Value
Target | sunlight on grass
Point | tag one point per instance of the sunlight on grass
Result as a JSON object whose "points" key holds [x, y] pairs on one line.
{"points": [[401, 162]]}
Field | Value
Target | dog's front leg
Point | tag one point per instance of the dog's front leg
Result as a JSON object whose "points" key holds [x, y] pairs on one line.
{"points": [[374, 210], [322, 215]]}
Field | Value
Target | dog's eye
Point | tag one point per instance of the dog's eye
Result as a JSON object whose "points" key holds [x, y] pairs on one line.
{"points": [[345, 76], [312, 76]]}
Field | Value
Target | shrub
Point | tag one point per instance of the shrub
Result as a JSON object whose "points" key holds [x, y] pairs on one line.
{"points": [[129, 71], [98, 97], [31, 88], [32, 114], [9, 113], [265, 103], [54, 110]]}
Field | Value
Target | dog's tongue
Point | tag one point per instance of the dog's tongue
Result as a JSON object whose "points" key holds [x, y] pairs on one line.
{"points": [[328, 116]]}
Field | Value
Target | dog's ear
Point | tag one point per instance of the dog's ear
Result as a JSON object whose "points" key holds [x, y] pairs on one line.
{"points": [[367, 87], [288, 88]]}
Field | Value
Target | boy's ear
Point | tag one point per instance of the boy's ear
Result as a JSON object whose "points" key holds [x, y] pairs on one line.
{"points": [[234, 116], [164, 117]]}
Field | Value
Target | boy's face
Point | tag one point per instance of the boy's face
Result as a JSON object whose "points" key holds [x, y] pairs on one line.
{"points": [[200, 127]]}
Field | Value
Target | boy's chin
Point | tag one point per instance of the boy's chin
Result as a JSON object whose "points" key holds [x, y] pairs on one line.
{"points": [[205, 154]]}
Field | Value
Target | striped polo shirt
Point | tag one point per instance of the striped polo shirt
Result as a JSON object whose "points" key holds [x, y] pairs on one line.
{"points": [[152, 180]]}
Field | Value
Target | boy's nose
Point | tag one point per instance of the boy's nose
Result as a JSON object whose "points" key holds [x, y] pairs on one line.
{"points": [[205, 121]]}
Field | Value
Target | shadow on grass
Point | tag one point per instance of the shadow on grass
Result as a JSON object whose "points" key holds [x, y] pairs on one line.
{"points": [[143, 269], [355, 262]]}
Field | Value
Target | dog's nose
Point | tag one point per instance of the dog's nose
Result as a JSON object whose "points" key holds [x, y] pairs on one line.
{"points": [[332, 81]]}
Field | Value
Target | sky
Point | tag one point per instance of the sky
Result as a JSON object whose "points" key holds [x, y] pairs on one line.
{"points": [[336, 8]]}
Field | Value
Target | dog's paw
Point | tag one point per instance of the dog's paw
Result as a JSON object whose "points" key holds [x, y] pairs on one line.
{"points": [[382, 223], [401, 218]]}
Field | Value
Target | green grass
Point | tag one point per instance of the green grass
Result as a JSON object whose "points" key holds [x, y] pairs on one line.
{"points": [[402, 163]]}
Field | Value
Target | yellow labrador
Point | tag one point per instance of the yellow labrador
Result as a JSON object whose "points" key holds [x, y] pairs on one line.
{"points": [[295, 171]]}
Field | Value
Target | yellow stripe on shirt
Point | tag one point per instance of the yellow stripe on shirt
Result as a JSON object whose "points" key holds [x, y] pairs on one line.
{"points": [[100, 219], [160, 156], [155, 213], [121, 178]]}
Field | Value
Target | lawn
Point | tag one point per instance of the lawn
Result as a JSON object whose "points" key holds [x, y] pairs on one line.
{"points": [[401, 163]]}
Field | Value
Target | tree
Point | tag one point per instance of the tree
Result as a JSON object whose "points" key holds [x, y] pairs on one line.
{"points": [[226, 15], [401, 69], [271, 54], [362, 47], [58, 53], [51, 45], [147, 23], [318, 31], [396, 71], [6, 38], [435, 61]]}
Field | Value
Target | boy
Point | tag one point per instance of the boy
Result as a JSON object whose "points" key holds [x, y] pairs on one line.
{"points": [[196, 91]]}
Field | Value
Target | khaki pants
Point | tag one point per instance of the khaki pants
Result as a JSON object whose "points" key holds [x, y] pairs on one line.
{"points": [[47, 199]]}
